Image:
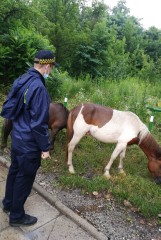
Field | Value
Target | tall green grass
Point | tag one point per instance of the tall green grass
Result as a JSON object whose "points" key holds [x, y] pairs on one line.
{"points": [[129, 94]]}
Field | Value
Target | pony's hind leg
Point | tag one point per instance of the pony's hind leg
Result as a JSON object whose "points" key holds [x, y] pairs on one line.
{"points": [[53, 134], [120, 167], [120, 147]]}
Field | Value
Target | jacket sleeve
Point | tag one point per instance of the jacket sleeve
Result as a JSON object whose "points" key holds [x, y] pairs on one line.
{"points": [[39, 112]]}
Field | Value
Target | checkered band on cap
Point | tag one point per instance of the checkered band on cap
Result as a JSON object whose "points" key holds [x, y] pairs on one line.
{"points": [[45, 61]]}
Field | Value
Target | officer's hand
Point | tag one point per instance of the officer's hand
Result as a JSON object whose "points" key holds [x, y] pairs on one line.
{"points": [[45, 155]]}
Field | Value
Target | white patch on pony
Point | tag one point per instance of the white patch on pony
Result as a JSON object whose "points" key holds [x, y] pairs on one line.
{"points": [[123, 127]]}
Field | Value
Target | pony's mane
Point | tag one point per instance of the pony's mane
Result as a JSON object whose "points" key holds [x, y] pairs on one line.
{"points": [[151, 143], [143, 133]]}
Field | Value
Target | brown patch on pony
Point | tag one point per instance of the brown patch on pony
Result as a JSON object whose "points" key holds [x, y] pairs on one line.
{"points": [[150, 147], [96, 115], [133, 141], [58, 115]]}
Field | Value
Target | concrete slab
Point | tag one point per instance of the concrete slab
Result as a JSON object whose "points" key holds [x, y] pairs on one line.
{"points": [[3, 220], [66, 229], [2, 189], [42, 233], [59, 229], [1, 178], [41, 209], [3, 173], [12, 234]]}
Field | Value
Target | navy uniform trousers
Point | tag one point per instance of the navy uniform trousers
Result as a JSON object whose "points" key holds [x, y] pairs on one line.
{"points": [[20, 179]]}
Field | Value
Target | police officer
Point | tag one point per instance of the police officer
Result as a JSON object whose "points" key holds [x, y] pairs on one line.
{"points": [[27, 105]]}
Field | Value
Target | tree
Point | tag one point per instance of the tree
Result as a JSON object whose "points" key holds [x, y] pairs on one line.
{"points": [[152, 43], [18, 49], [19, 39]]}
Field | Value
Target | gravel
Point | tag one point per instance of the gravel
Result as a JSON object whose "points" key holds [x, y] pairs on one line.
{"points": [[116, 221]]}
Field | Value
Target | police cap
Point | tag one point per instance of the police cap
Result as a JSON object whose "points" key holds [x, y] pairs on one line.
{"points": [[45, 57]]}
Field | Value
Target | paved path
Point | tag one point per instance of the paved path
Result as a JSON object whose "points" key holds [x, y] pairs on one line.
{"points": [[55, 220]]}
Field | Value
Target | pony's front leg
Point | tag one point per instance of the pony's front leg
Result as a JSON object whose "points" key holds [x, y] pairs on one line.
{"points": [[52, 137], [70, 155], [118, 149], [71, 146]]}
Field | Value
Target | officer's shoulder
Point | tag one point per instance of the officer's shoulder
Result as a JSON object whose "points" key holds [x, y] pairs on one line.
{"points": [[37, 84]]}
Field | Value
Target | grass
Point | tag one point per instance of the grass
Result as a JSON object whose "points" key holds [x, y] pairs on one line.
{"points": [[91, 156], [137, 186]]}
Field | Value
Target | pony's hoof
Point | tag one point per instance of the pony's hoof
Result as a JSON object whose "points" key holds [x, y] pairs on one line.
{"points": [[107, 176], [71, 170], [121, 172]]}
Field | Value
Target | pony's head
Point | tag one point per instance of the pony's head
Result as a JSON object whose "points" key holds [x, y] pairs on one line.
{"points": [[154, 167], [153, 152]]}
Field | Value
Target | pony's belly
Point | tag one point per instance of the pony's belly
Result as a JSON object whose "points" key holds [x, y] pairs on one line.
{"points": [[112, 134], [104, 135]]}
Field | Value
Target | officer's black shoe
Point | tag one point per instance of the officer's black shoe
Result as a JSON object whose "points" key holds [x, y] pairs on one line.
{"points": [[27, 220], [6, 210]]}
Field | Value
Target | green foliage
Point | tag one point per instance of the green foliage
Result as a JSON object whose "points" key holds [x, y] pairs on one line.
{"points": [[96, 41], [54, 83], [18, 49], [12, 11], [64, 16], [87, 62], [5, 90], [128, 94], [153, 43]]}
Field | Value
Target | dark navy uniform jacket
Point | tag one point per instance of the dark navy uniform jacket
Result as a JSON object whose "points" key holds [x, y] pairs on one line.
{"points": [[27, 105]]}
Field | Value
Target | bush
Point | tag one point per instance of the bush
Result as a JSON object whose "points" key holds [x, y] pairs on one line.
{"points": [[53, 84], [17, 50]]}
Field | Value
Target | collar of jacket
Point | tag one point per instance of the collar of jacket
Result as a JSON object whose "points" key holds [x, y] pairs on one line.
{"points": [[36, 73]]}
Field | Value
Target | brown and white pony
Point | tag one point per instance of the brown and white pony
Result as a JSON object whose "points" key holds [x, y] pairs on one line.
{"points": [[112, 126]]}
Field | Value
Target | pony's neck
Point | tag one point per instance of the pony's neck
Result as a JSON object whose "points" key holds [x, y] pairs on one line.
{"points": [[150, 147]]}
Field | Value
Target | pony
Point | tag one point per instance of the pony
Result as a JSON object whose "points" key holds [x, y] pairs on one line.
{"points": [[112, 126], [58, 115]]}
